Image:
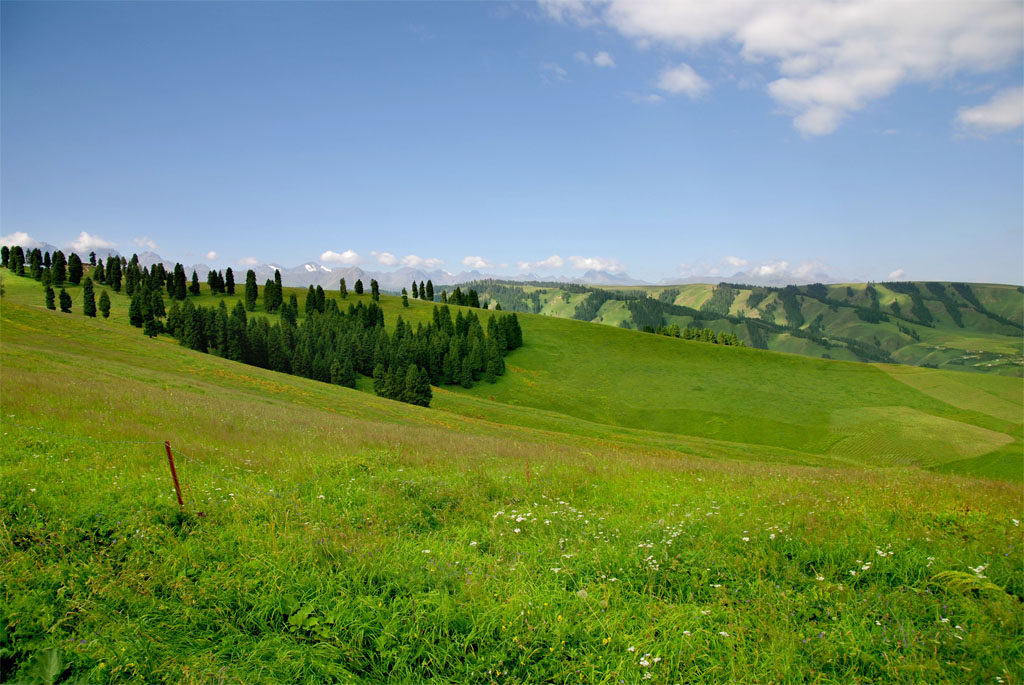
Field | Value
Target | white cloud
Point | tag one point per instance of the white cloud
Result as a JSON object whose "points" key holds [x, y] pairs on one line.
{"points": [[735, 261], [600, 59], [649, 99], [597, 263], [552, 262], [88, 243], [682, 79], [20, 238], [1004, 112], [897, 274], [416, 262], [831, 58], [145, 242], [348, 257], [248, 261], [211, 256], [476, 263], [385, 258], [551, 72]]}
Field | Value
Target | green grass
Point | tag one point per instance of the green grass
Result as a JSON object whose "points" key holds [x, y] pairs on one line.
{"points": [[982, 345], [330, 535]]}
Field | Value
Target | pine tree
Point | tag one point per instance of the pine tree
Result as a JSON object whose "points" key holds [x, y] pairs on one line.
{"points": [[252, 292], [279, 289], [405, 298], [46, 260], [65, 301], [98, 275], [49, 298], [152, 328], [444, 297], [423, 291], [430, 291], [5, 256], [105, 304], [310, 305], [114, 274], [344, 290], [194, 285], [374, 290], [156, 304], [321, 299], [359, 286], [180, 284], [35, 264], [135, 317], [229, 281], [472, 299], [415, 291], [88, 299], [92, 259], [60, 268], [74, 269]]}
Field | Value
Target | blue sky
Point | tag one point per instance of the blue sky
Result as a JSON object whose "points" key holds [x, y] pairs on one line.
{"points": [[859, 140]]}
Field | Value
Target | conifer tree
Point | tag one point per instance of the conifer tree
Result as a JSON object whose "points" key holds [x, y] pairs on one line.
{"points": [[5, 256], [251, 290], [88, 299], [98, 274], [310, 305], [229, 281], [472, 299], [321, 299], [279, 296], [430, 291], [46, 260], [49, 298], [114, 273], [60, 268], [92, 259], [74, 269], [405, 298], [344, 290], [194, 285], [423, 291], [152, 328], [444, 297], [180, 284], [359, 286], [156, 304], [415, 291], [135, 317], [374, 290], [65, 301], [35, 264], [105, 304]]}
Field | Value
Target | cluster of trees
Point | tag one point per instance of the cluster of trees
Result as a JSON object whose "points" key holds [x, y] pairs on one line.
{"points": [[706, 335], [334, 346]]}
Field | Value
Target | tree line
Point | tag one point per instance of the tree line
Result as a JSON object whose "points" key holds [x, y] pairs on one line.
{"points": [[334, 346]]}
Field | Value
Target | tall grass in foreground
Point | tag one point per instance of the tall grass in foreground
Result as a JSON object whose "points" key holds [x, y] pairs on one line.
{"points": [[334, 536]]}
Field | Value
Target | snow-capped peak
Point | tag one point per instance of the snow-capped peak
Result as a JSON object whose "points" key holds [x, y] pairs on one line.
{"points": [[324, 268], [310, 268]]}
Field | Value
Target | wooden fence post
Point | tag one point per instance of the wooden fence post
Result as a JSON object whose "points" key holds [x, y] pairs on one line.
{"points": [[174, 473]]}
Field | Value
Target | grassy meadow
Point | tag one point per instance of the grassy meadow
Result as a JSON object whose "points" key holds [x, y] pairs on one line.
{"points": [[619, 507], [977, 342]]}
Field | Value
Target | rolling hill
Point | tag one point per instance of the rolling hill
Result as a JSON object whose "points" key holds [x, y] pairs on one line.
{"points": [[617, 505], [972, 327]]}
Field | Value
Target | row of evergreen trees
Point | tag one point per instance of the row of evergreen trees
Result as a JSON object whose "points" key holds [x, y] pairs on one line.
{"points": [[334, 346], [695, 334]]}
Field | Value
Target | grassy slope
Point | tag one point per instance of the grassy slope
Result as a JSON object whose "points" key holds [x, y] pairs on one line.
{"points": [[981, 345], [417, 544]]}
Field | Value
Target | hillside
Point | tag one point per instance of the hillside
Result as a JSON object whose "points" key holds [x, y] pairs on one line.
{"points": [[971, 327], [330, 535]]}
